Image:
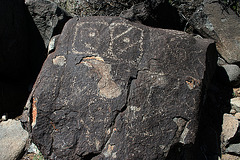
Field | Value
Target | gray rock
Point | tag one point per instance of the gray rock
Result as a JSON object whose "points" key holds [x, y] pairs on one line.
{"points": [[137, 13], [48, 17], [13, 139], [235, 102], [118, 90], [233, 72], [53, 43], [229, 128], [213, 22], [33, 149], [234, 148]]}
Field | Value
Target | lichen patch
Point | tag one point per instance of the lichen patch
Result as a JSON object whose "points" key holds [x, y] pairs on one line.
{"points": [[59, 60]]}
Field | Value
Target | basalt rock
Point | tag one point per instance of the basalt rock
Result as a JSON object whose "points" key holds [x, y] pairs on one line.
{"points": [[113, 89], [48, 17], [215, 21], [96, 7]]}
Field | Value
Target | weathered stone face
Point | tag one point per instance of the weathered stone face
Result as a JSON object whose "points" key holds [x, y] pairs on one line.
{"points": [[117, 90], [48, 17], [213, 21]]}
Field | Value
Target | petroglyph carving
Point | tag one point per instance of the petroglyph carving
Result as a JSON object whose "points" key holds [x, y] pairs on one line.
{"points": [[107, 87], [154, 78], [126, 39], [87, 39], [119, 39]]}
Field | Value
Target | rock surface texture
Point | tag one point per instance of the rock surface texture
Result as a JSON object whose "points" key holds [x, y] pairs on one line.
{"points": [[48, 17], [13, 139], [118, 90], [96, 7], [230, 129], [212, 21]]}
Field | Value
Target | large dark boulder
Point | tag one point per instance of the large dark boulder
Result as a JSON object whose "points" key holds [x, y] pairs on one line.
{"points": [[21, 56], [119, 90], [213, 20], [48, 17]]}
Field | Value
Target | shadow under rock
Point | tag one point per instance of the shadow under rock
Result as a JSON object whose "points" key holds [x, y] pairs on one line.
{"points": [[21, 57], [216, 103]]}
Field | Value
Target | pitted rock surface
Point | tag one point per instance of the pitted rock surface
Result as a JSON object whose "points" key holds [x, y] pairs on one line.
{"points": [[118, 90]]}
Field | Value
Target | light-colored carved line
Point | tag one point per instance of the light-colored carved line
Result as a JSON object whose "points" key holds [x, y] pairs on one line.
{"points": [[119, 35], [82, 23], [94, 58]]}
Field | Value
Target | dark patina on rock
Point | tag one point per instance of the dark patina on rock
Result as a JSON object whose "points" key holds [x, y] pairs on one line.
{"points": [[117, 90]]}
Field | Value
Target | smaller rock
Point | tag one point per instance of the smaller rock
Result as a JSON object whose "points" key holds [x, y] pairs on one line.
{"points": [[234, 148], [233, 111], [229, 127], [237, 115], [235, 103], [13, 139], [236, 92], [33, 149], [48, 17], [233, 72], [137, 13], [212, 21], [229, 157], [4, 117], [221, 61], [52, 44]]}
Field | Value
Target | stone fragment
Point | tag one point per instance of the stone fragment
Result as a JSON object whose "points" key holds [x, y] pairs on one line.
{"points": [[236, 92], [118, 90], [233, 111], [229, 157], [48, 17], [233, 72], [237, 115], [234, 148], [53, 43], [33, 149], [229, 127], [212, 21], [235, 102], [13, 139]]}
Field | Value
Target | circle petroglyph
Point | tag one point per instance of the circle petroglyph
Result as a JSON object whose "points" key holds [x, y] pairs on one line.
{"points": [[116, 42], [92, 34]]}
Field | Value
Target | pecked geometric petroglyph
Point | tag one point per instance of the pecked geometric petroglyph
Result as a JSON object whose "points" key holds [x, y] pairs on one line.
{"points": [[117, 40], [125, 40], [107, 87], [87, 39]]}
